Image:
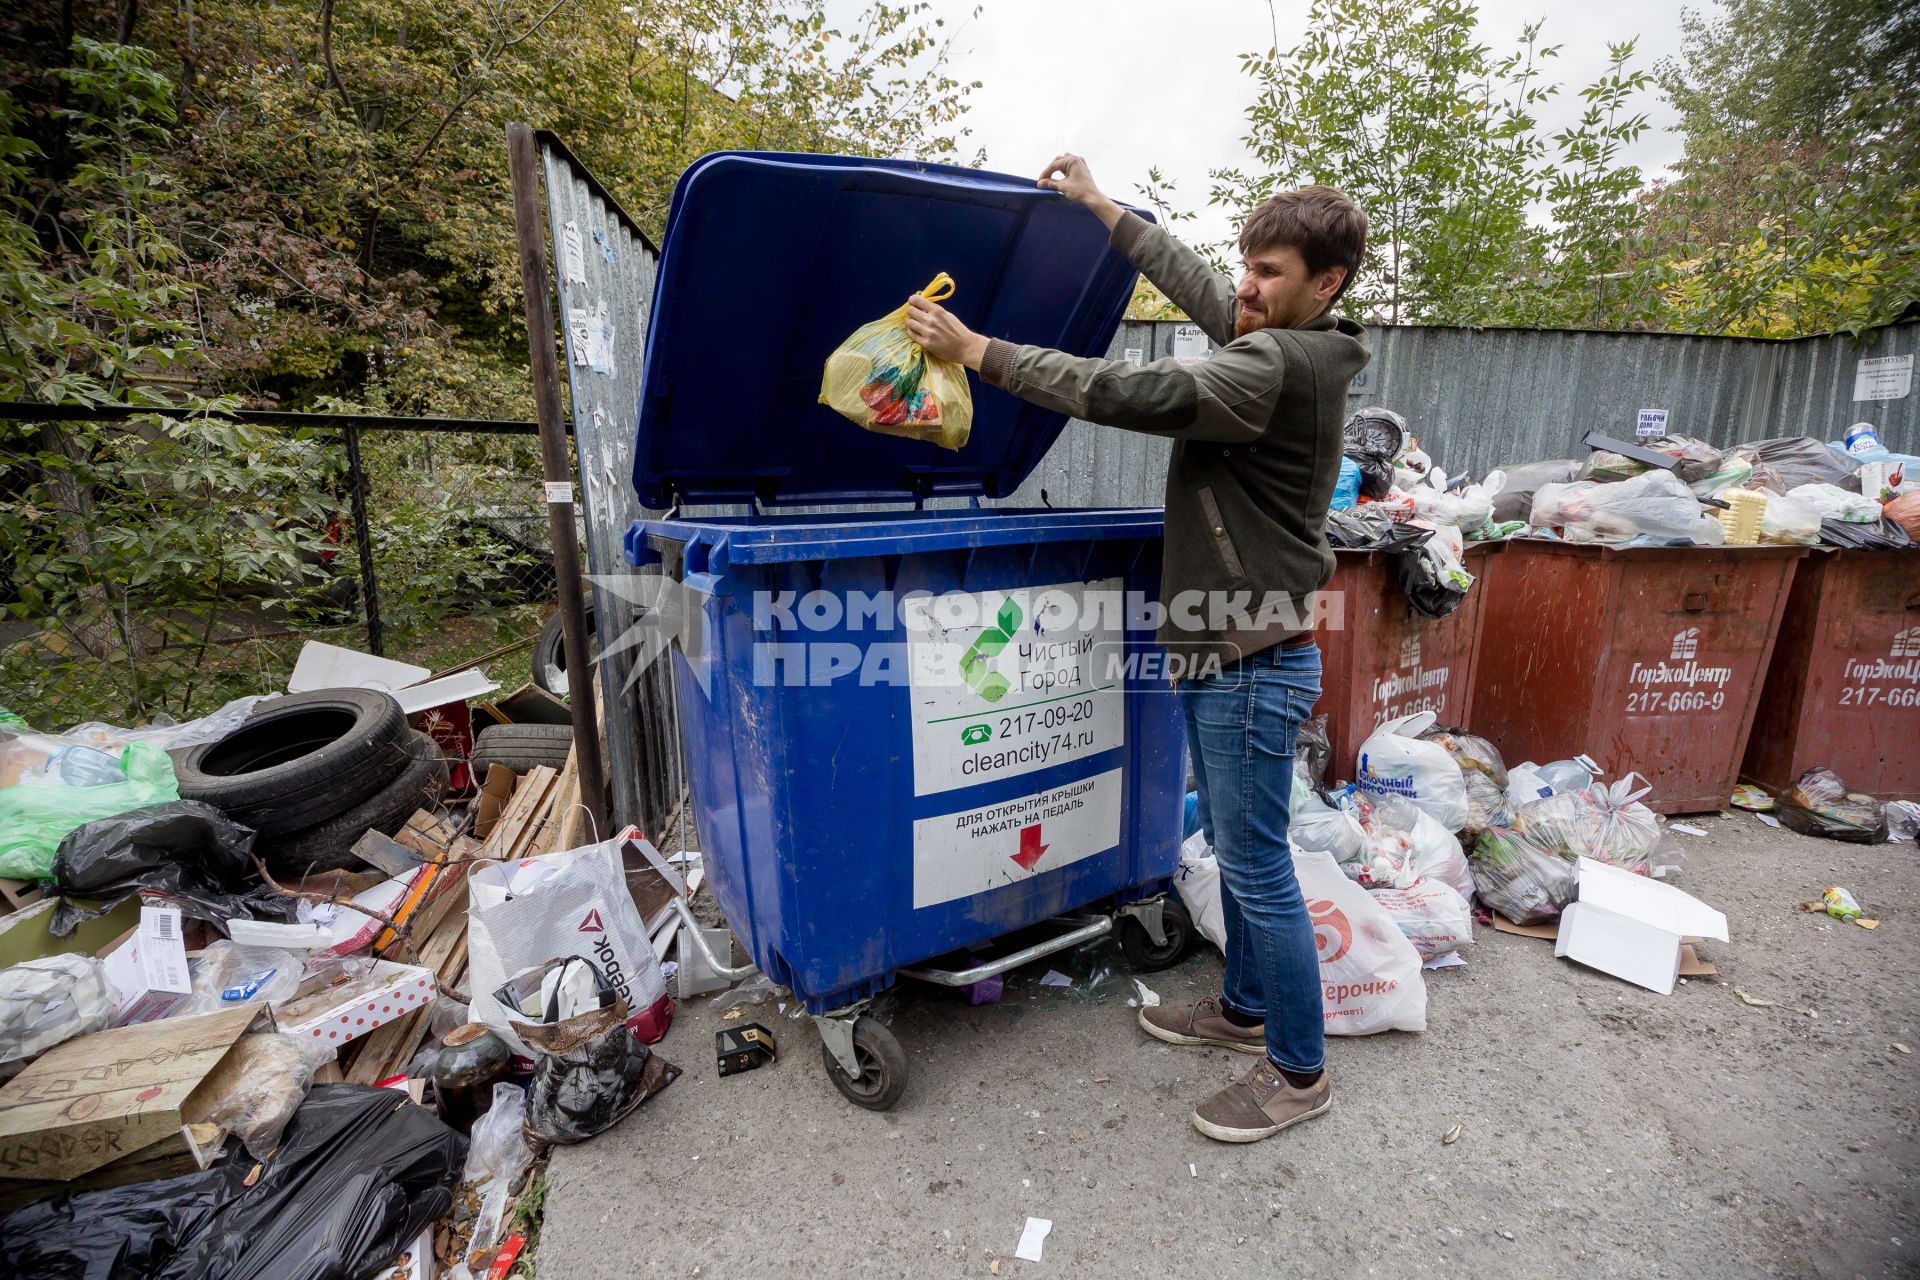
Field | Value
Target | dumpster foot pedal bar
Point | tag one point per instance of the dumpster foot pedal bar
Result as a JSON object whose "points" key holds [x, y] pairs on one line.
{"points": [[1151, 914], [692, 930], [1085, 929]]}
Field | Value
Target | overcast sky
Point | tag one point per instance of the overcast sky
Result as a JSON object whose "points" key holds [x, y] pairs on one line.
{"points": [[1133, 83]]}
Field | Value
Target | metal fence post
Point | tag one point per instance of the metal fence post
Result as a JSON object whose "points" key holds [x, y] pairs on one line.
{"points": [[363, 537], [523, 166]]}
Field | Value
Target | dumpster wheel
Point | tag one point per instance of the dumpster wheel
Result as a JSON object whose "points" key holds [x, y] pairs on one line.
{"points": [[1148, 956], [883, 1067]]}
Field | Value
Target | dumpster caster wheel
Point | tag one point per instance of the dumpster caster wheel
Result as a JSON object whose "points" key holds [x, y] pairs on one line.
{"points": [[1148, 956], [883, 1067]]}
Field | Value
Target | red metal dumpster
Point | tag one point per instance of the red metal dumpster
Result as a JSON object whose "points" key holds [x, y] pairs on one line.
{"points": [[1647, 659], [1843, 689], [1388, 660]]}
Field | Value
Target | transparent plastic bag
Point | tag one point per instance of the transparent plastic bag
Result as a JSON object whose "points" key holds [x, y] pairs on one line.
{"points": [[1520, 872], [37, 813], [265, 1089], [1789, 521], [497, 1156], [1311, 751], [1657, 504], [229, 976], [1831, 502], [1482, 770], [880, 379], [49, 1000], [1819, 804]]}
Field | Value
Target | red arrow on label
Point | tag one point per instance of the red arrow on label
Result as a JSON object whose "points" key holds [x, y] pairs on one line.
{"points": [[1031, 850]]}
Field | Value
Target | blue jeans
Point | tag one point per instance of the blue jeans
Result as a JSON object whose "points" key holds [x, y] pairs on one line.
{"points": [[1241, 728]]}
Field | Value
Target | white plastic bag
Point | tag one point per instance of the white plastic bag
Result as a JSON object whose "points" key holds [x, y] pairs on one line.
{"points": [[1369, 973], [573, 903], [1198, 884], [1405, 845], [1834, 503], [1317, 827], [1395, 762], [1432, 915], [1655, 504]]}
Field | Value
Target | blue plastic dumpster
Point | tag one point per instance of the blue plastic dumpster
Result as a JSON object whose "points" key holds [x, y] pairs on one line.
{"points": [[908, 731]]}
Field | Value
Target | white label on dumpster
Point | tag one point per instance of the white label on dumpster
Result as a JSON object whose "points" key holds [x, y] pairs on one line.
{"points": [[1651, 423], [958, 855], [1883, 378], [1007, 682]]}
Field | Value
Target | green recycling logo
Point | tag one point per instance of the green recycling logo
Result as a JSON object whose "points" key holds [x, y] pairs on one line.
{"points": [[974, 669]]}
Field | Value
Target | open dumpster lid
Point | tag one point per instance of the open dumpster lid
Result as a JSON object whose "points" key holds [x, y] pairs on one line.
{"points": [[770, 260]]}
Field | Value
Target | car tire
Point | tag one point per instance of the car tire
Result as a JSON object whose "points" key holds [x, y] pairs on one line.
{"points": [[521, 747], [300, 760], [550, 650], [328, 846]]}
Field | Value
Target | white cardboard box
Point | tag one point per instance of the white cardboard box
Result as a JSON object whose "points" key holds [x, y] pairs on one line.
{"points": [[1631, 926], [390, 991], [149, 971]]}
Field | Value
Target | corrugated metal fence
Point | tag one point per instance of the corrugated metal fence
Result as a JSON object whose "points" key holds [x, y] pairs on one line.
{"points": [[1481, 397]]}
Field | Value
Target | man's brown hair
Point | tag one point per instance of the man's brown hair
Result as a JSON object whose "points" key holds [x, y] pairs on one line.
{"points": [[1321, 223]]}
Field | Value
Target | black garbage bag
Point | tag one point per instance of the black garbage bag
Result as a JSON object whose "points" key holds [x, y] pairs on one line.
{"points": [[1799, 460], [1365, 529], [1311, 751], [360, 1171], [1878, 535], [188, 850], [1523, 480], [1819, 804], [1373, 439], [592, 1072], [1428, 592]]}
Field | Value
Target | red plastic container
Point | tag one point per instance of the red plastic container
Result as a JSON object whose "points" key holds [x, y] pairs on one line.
{"points": [[1648, 660], [1388, 660], [1843, 689]]}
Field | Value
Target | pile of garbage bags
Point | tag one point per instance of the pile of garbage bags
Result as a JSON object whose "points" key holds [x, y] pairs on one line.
{"points": [[1790, 490], [1435, 820], [1390, 497]]}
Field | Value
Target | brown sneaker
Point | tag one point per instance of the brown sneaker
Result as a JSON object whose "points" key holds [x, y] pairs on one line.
{"points": [[1259, 1105], [1201, 1023]]}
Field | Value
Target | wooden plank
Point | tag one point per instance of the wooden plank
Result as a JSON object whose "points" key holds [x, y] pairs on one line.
{"points": [[566, 794], [522, 843], [427, 833], [519, 812]]}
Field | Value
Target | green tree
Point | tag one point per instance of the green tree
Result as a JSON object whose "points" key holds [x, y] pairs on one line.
{"points": [[127, 544], [1797, 205], [1397, 103]]}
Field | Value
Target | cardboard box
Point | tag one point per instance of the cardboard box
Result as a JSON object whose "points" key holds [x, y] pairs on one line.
{"points": [[358, 1007], [114, 1096], [149, 969], [1633, 927]]}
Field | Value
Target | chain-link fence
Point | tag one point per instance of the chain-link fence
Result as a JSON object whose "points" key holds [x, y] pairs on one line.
{"points": [[124, 597]]}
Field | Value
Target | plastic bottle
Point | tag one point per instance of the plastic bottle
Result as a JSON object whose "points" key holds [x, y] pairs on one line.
{"points": [[86, 767], [1861, 440]]}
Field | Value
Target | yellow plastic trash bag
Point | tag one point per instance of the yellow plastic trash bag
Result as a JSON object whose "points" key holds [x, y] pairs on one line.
{"points": [[881, 380]]}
